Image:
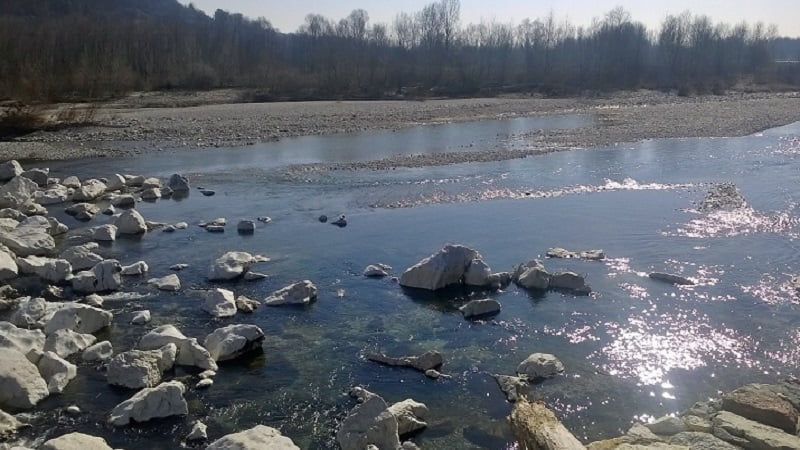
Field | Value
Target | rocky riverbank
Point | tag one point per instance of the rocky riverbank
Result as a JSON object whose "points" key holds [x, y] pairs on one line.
{"points": [[132, 126]]}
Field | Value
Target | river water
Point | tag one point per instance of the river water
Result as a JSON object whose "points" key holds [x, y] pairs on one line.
{"points": [[634, 349]]}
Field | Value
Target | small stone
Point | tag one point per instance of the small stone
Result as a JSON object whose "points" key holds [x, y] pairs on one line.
{"points": [[375, 271], [204, 383], [207, 192], [340, 222], [264, 219], [246, 227], [141, 317], [178, 267], [207, 374], [254, 276], [538, 366], [137, 268], [73, 410], [323, 218], [215, 228], [198, 432], [169, 283], [480, 308]]}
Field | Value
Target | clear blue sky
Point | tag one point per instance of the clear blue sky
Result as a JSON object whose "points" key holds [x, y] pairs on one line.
{"points": [[288, 15]]}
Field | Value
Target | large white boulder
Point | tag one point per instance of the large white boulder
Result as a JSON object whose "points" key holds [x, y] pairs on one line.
{"points": [[137, 369], [67, 342], [231, 265], [233, 341], [115, 182], [130, 222], [76, 441], [532, 275], [27, 241], [442, 269], [410, 416], [21, 386], [538, 366], [104, 276], [256, 438], [301, 293], [20, 339], [89, 190], [82, 257], [369, 422], [219, 303], [79, 318], [8, 266], [164, 400], [56, 371], [478, 273], [9, 170], [48, 269], [104, 233], [190, 352], [17, 192]]}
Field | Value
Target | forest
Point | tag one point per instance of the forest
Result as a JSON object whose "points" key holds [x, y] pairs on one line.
{"points": [[62, 50]]}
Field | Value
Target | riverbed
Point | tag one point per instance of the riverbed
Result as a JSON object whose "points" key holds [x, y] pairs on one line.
{"points": [[635, 348]]}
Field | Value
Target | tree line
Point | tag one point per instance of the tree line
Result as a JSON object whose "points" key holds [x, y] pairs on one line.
{"points": [[76, 49]]}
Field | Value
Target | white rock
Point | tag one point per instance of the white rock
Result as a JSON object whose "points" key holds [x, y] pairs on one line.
{"points": [[8, 424], [9, 170], [229, 266], [76, 441], [219, 303], [141, 317], [301, 293], [483, 307], [140, 368], [115, 182], [169, 283], [82, 257], [89, 190], [67, 342], [410, 416], [478, 273], [233, 341], [79, 318], [93, 300], [256, 438], [137, 268], [204, 383], [104, 233], [178, 267], [445, 268], [124, 201], [151, 194], [52, 270], [532, 275], [181, 225], [21, 386], [56, 228], [190, 352], [246, 305], [375, 271], [28, 241], [30, 312], [569, 281], [198, 432], [52, 196], [17, 192], [56, 372], [72, 182], [10, 213], [20, 339], [98, 352], [73, 410], [540, 365], [254, 276], [370, 422], [164, 400], [103, 277], [82, 211], [8, 267], [131, 222]]}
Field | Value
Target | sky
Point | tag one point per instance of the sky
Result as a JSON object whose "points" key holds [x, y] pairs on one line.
{"points": [[287, 16]]}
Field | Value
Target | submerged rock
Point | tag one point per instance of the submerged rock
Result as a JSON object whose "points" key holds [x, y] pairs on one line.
{"points": [[76, 441], [723, 196], [539, 366], [163, 400], [423, 362], [246, 227], [369, 423], [514, 387], [233, 341], [592, 255], [670, 278], [301, 293], [256, 438], [340, 222], [480, 308]]}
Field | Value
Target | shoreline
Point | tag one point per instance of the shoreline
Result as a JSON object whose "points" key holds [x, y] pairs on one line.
{"points": [[125, 129]]}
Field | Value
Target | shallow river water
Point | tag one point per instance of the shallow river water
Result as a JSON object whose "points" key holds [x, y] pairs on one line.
{"points": [[634, 349]]}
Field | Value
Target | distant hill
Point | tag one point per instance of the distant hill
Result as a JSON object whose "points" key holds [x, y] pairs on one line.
{"points": [[133, 9]]}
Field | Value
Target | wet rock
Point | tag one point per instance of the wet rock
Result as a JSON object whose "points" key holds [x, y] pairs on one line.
{"points": [[256, 438], [104, 233], [169, 283], [759, 403], [8, 266], [254, 276], [38, 176], [124, 201], [204, 383], [670, 278], [82, 211], [21, 386], [163, 400], [9, 170], [137, 268], [264, 219], [17, 192], [233, 341], [323, 218], [79, 318], [300, 293], [54, 195], [218, 222], [115, 182], [215, 228], [246, 305], [480, 308], [190, 352], [98, 352], [340, 222], [539, 366], [667, 426], [131, 222], [376, 271], [178, 183], [66, 342], [137, 369], [89, 191], [532, 275], [724, 196], [28, 241], [93, 300], [82, 257], [20, 339], [8, 424], [56, 372], [442, 269], [178, 267], [198, 432], [536, 427], [700, 441], [72, 182], [76, 441], [410, 416], [513, 387], [423, 362], [151, 194], [103, 277], [219, 303], [230, 266], [558, 252], [369, 422], [141, 317], [478, 273], [697, 424], [756, 435], [570, 281], [109, 211], [246, 227], [73, 410], [207, 192], [29, 312]]}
